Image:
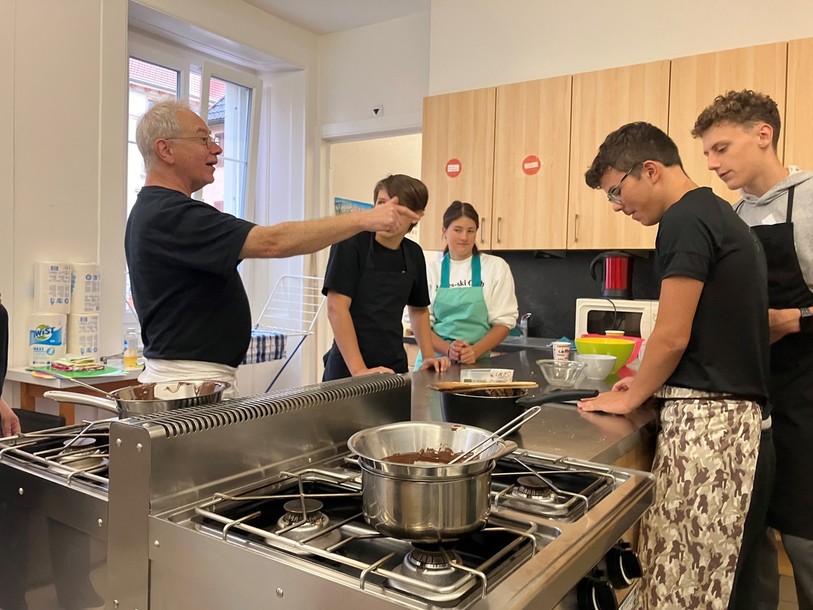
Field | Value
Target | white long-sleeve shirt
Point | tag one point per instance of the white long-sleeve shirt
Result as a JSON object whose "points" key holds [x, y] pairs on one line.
{"points": [[498, 286]]}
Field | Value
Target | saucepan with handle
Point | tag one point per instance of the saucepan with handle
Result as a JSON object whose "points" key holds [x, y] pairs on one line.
{"points": [[429, 481], [144, 398], [494, 406]]}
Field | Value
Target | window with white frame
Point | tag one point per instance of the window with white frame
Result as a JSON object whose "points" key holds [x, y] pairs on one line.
{"points": [[231, 111]]}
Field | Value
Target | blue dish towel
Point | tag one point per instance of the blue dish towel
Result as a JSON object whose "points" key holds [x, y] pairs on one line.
{"points": [[265, 345]]}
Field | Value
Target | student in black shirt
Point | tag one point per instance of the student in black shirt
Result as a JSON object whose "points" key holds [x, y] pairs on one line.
{"points": [[370, 278], [706, 360]]}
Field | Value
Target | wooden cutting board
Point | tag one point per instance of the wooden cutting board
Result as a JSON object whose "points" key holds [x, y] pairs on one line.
{"points": [[447, 386]]}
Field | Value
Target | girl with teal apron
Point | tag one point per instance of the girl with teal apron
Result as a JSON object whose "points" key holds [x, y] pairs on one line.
{"points": [[460, 313]]}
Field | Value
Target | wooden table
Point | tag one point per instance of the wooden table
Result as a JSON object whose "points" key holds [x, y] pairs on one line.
{"points": [[32, 387]]}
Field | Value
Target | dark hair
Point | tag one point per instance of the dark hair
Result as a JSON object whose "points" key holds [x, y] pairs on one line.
{"points": [[631, 145], [744, 107], [410, 191], [459, 209]]}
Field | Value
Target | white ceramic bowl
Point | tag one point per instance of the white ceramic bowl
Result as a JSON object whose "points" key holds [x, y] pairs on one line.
{"points": [[596, 366], [561, 373]]}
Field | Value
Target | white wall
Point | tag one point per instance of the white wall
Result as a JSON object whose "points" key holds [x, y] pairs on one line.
{"points": [[63, 155], [478, 43], [383, 64]]}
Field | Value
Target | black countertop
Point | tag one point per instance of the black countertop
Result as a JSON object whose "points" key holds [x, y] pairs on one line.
{"points": [[559, 428]]}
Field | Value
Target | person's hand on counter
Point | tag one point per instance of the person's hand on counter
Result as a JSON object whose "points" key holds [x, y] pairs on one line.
{"points": [[375, 369], [615, 401], [461, 351], [9, 420], [440, 365]]}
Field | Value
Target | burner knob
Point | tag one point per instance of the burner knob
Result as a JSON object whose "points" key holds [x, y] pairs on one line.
{"points": [[622, 565], [595, 593]]}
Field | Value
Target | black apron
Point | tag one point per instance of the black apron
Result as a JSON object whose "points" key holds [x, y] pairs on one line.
{"points": [[790, 385], [376, 310]]}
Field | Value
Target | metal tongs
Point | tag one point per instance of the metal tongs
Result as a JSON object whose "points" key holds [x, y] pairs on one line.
{"points": [[496, 437]]}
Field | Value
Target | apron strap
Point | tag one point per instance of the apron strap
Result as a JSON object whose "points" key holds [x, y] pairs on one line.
{"points": [[475, 271], [444, 271], [476, 276], [789, 212]]}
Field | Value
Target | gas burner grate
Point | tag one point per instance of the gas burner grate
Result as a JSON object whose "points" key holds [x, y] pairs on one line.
{"points": [[552, 489], [77, 454], [348, 544]]}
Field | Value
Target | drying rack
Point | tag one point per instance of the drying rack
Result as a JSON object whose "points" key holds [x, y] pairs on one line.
{"points": [[291, 310]]}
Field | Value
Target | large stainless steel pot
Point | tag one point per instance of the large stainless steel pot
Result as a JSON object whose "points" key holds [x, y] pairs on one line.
{"points": [[425, 502], [148, 398]]}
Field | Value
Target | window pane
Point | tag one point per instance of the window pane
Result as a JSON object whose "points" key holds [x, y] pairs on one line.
{"points": [[229, 118], [149, 83]]}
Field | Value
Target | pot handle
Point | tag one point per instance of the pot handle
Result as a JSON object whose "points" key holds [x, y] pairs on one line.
{"points": [[600, 258], [82, 399], [509, 447], [557, 396]]}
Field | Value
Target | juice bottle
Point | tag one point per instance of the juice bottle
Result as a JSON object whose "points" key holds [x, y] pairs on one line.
{"points": [[131, 349]]}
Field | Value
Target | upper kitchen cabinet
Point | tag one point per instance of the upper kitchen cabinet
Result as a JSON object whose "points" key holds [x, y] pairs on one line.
{"points": [[531, 153], [697, 80], [457, 160], [603, 101], [798, 118]]}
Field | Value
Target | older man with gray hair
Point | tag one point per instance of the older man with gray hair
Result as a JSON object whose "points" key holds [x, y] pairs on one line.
{"points": [[183, 253]]}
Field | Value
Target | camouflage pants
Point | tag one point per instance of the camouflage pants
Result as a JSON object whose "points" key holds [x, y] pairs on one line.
{"points": [[704, 469]]}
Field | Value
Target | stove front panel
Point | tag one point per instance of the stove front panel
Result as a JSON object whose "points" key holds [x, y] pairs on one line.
{"points": [[54, 540]]}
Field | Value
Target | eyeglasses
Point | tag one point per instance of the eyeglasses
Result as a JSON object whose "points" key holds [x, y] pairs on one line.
{"points": [[206, 140], [614, 192]]}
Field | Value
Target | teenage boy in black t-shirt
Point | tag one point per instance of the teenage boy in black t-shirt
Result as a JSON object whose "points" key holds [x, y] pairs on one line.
{"points": [[706, 361], [369, 280]]}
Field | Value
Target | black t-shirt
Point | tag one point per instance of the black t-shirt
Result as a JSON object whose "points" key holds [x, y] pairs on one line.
{"points": [[183, 256], [348, 259], [701, 237], [376, 308]]}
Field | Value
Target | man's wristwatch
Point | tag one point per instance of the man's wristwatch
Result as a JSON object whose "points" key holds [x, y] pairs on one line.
{"points": [[805, 320]]}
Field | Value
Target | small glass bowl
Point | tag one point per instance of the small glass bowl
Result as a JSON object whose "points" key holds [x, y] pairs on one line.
{"points": [[561, 373]]}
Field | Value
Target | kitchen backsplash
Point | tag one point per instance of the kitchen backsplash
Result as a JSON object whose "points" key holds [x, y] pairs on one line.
{"points": [[548, 286]]}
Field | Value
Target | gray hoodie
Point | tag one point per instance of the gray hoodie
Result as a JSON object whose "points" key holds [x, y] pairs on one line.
{"points": [[771, 208]]}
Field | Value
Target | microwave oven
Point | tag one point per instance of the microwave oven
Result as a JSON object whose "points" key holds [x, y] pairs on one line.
{"points": [[635, 317]]}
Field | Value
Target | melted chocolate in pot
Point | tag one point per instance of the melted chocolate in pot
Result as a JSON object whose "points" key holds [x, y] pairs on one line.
{"points": [[434, 456]]}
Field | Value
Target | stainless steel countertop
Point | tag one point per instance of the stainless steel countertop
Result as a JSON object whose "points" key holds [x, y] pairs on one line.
{"points": [[559, 428]]}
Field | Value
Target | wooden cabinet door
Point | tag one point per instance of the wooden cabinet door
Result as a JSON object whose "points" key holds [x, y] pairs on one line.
{"points": [[603, 101], [531, 156], [798, 118], [697, 80], [457, 160]]}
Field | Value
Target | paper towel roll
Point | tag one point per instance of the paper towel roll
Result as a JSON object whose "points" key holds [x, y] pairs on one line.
{"points": [[52, 287], [85, 290], [83, 334], [46, 338]]}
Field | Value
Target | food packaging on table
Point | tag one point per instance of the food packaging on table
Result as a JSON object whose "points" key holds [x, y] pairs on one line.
{"points": [[486, 375]]}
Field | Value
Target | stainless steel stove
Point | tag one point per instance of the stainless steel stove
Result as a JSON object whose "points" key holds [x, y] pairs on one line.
{"points": [[53, 498], [334, 535], [256, 502], [311, 521]]}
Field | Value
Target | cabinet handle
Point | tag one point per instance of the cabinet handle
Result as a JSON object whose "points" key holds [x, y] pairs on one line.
{"points": [[576, 229], [483, 230], [499, 226]]}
